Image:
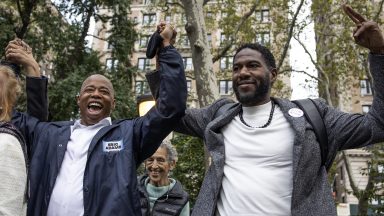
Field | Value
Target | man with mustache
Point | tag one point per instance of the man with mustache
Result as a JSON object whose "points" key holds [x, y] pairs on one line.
{"points": [[265, 158]]}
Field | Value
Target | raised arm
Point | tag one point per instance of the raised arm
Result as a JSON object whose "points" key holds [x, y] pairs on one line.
{"points": [[19, 52], [346, 131], [171, 95]]}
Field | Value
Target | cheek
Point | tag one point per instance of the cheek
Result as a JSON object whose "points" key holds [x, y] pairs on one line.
{"points": [[234, 78]]}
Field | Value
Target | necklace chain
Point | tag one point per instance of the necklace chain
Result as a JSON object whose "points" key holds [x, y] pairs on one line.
{"points": [[263, 126]]}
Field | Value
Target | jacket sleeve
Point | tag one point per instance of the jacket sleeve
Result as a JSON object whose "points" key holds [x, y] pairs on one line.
{"points": [[170, 106], [37, 99], [196, 120], [345, 130], [37, 108]]}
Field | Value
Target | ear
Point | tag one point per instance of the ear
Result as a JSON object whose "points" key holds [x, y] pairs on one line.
{"points": [[113, 105], [273, 75], [172, 164], [78, 99]]}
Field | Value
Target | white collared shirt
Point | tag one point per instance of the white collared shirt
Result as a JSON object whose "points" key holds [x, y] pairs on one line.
{"points": [[67, 194]]}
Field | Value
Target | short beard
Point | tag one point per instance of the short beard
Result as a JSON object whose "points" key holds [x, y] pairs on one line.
{"points": [[255, 97]]}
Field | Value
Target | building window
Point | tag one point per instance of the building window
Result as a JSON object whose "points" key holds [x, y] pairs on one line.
{"points": [[111, 63], [149, 19], [209, 14], [110, 45], [168, 18], [263, 38], [380, 168], [188, 63], [143, 64], [366, 108], [225, 87], [184, 41], [365, 87], [226, 62], [189, 85], [209, 38], [141, 87], [135, 20], [144, 40], [262, 16], [147, 2], [223, 37]]}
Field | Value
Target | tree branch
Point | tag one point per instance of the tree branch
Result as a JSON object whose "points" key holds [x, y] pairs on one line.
{"points": [[377, 16], [320, 70], [25, 16], [94, 36], [205, 2], [170, 4], [317, 66], [290, 33], [308, 74], [348, 168], [230, 40]]}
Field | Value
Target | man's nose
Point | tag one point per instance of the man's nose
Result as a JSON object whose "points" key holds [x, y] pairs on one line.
{"points": [[96, 93], [243, 71]]}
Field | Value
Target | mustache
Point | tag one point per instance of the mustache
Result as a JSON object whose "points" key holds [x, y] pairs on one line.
{"points": [[245, 81]]}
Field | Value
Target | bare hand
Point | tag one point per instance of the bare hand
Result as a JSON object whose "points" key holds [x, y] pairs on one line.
{"points": [[19, 52], [168, 33], [367, 33]]}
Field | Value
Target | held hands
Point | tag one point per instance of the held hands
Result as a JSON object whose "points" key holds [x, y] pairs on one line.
{"points": [[367, 33], [19, 52], [167, 32]]}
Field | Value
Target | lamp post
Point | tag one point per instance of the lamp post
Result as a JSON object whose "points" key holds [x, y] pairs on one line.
{"points": [[144, 103]]}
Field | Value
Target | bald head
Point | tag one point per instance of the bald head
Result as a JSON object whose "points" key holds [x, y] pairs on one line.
{"points": [[108, 83], [96, 99]]}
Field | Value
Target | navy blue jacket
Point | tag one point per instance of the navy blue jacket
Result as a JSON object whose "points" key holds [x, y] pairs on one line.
{"points": [[110, 180]]}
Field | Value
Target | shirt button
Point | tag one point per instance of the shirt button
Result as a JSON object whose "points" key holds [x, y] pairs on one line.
{"points": [[85, 189], [60, 145]]}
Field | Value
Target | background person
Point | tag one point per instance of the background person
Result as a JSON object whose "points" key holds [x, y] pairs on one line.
{"points": [[13, 150], [160, 194]]}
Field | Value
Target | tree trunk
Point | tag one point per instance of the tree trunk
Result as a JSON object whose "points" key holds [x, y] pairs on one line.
{"points": [[206, 82]]}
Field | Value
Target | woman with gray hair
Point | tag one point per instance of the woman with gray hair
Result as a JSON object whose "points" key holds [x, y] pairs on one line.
{"points": [[160, 194]]}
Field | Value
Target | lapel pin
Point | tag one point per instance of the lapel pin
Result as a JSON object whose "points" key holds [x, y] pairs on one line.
{"points": [[295, 112]]}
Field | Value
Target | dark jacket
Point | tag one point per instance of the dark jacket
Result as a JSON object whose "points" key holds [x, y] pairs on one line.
{"points": [[171, 206], [37, 106], [110, 182], [311, 194]]}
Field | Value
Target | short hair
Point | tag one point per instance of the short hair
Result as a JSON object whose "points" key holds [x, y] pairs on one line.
{"points": [[110, 85], [171, 151], [10, 90], [265, 52]]}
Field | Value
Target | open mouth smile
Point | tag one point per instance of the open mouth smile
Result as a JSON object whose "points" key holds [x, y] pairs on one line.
{"points": [[95, 107]]}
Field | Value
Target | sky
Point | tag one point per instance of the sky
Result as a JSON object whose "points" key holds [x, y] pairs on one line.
{"points": [[299, 60]]}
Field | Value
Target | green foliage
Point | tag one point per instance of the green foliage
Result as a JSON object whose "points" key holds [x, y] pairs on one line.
{"points": [[57, 33], [125, 103], [190, 166]]}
